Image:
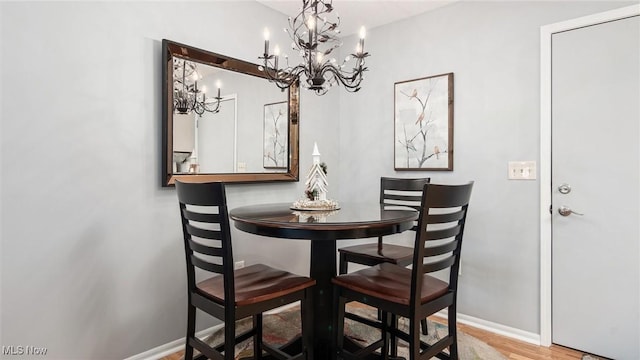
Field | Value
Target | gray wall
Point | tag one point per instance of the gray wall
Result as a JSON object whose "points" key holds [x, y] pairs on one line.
{"points": [[92, 256], [91, 251], [493, 49]]}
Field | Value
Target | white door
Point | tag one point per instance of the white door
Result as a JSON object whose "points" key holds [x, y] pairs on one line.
{"points": [[595, 172], [216, 148]]}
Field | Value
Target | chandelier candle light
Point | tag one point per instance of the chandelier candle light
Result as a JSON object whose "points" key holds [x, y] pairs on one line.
{"points": [[186, 95], [310, 30]]}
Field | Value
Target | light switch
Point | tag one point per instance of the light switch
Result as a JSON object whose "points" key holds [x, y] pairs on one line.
{"points": [[522, 170]]}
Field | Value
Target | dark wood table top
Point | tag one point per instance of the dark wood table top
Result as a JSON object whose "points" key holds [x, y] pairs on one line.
{"points": [[351, 221]]}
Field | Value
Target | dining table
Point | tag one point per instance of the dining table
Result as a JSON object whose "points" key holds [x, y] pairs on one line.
{"points": [[323, 228]]}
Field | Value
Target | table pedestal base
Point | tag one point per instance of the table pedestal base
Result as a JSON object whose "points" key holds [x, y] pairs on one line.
{"points": [[323, 269]]}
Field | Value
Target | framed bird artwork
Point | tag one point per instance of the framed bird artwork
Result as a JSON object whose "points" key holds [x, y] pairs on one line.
{"points": [[423, 120]]}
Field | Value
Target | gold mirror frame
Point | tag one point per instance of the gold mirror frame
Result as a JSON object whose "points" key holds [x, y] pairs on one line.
{"points": [[171, 49]]}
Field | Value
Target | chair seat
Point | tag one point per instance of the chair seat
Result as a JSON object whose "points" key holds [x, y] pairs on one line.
{"points": [[390, 282], [256, 283], [395, 254]]}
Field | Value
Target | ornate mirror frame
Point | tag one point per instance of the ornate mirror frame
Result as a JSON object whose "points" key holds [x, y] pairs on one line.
{"points": [[171, 49]]}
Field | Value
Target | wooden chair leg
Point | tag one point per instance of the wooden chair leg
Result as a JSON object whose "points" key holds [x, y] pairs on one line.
{"points": [[257, 337], [453, 332], [191, 331], [386, 324], [340, 303], [343, 264], [306, 320], [229, 339], [414, 339], [423, 325], [394, 340]]}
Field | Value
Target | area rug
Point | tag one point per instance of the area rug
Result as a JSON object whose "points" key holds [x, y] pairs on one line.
{"points": [[279, 328]]}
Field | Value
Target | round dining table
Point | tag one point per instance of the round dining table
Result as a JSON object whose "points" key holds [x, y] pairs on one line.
{"points": [[323, 229]]}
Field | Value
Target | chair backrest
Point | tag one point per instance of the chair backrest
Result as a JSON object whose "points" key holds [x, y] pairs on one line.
{"points": [[402, 192], [439, 235], [207, 237]]}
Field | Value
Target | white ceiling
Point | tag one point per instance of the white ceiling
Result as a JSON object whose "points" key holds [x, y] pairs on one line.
{"points": [[367, 13]]}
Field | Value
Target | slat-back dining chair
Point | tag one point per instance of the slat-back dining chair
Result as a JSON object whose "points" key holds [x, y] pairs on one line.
{"points": [[413, 293], [231, 295], [393, 192]]}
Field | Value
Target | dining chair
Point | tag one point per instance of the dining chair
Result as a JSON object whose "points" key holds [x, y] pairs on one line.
{"points": [[231, 295], [413, 293], [393, 192]]}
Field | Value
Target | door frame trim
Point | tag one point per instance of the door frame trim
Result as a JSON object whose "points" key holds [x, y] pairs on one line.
{"points": [[546, 32]]}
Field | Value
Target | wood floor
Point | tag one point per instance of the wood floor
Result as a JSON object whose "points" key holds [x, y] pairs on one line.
{"points": [[520, 350], [510, 348]]}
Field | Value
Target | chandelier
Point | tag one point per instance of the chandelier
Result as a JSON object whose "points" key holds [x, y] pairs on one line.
{"points": [[315, 35], [187, 97]]}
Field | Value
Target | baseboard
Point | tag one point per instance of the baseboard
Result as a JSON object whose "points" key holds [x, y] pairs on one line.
{"points": [[496, 328], [177, 345], [172, 347]]}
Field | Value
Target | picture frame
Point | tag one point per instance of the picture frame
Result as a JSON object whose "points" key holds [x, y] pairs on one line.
{"points": [[423, 124], [275, 136]]}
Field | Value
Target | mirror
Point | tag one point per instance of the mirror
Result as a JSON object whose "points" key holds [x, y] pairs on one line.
{"points": [[244, 130]]}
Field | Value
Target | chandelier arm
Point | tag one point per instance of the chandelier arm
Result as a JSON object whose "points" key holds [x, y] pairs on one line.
{"points": [[215, 109], [293, 75], [351, 82], [273, 72], [343, 73], [283, 79], [197, 108], [297, 70]]}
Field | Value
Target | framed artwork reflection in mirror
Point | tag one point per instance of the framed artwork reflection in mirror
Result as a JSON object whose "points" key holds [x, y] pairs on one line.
{"points": [[275, 136]]}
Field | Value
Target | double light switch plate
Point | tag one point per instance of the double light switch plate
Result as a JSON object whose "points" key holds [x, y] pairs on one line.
{"points": [[522, 170]]}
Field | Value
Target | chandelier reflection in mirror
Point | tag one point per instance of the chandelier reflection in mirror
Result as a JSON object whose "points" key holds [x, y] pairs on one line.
{"points": [[187, 97], [315, 32]]}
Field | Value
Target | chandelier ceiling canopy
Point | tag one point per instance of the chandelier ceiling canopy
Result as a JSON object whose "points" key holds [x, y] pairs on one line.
{"points": [[315, 35]]}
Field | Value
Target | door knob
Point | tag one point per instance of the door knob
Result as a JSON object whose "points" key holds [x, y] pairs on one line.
{"points": [[566, 211]]}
